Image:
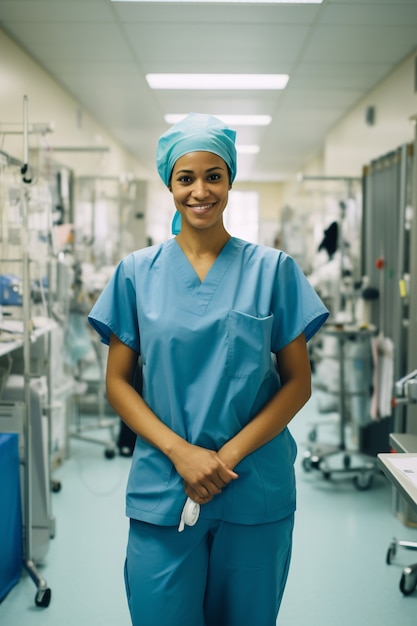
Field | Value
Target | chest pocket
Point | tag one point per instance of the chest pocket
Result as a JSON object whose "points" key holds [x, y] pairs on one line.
{"points": [[248, 345]]}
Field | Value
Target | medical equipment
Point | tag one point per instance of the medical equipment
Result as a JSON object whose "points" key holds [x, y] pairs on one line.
{"points": [[405, 393], [189, 515], [26, 402], [11, 517], [405, 400], [406, 389], [108, 225], [10, 290], [386, 259], [396, 468], [324, 457], [87, 357], [90, 378]]}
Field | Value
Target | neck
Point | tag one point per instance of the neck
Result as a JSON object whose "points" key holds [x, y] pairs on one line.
{"points": [[203, 243]]}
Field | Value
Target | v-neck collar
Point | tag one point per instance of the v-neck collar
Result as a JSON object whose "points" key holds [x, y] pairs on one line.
{"points": [[202, 291]]}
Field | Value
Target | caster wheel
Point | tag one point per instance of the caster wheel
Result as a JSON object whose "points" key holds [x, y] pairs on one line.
{"points": [[407, 584], [126, 451], [363, 481], [56, 486], [327, 475], [346, 461], [315, 462], [109, 453], [43, 597], [391, 553]]}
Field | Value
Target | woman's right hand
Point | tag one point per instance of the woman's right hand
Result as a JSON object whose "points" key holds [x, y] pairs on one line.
{"points": [[204, 473]]}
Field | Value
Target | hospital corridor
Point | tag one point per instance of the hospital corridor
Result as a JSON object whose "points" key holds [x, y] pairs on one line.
{"points": [[208, 312]]}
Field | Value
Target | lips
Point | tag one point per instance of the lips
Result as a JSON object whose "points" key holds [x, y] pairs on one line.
{"points": [[200, 207]]}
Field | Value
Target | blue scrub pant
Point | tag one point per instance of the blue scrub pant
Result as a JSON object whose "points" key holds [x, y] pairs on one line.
{"points": [[211, 574]]}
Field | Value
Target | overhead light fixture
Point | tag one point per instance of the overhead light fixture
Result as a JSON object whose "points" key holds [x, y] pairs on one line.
{"points": [[231, 120], [217, 81], [80, 149], [248, 149], [234, 1]]}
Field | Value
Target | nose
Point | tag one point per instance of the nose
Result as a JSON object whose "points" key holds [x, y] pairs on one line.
{"points": [[200, 188]]}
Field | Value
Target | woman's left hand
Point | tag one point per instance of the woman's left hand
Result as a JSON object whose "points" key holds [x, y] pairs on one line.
{"points": [[203, 471]]}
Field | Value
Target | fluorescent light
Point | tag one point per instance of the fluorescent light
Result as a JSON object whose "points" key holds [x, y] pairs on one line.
{"points": [[231, 120], [234, 1], [249, 149], [217, 81]]}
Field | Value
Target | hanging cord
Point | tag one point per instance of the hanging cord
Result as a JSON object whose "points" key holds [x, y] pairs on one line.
{"points": [[25, 167]]}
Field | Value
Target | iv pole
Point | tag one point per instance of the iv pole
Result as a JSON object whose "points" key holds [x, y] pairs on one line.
{"points": [[43, 594]]}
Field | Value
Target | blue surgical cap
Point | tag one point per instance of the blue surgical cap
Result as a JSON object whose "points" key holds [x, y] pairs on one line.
{"points": [[197, 132]]}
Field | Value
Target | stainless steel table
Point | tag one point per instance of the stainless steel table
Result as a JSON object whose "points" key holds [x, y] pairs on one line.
{"points": [[408, 489]]}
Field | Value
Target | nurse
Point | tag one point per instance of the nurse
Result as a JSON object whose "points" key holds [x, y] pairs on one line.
{"points": [[221, 328]]}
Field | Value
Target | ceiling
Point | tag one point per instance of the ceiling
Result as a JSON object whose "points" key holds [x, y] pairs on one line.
{"points": [[334, 54]]}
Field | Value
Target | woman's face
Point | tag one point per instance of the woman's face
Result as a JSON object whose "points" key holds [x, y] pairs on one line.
{"points": [[200, 187]]}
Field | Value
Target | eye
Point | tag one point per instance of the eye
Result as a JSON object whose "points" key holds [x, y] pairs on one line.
{"points": [[214, 177], [184, 179]]}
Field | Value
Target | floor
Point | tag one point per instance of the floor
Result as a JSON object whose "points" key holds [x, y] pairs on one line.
{"points": [[338, 576]]}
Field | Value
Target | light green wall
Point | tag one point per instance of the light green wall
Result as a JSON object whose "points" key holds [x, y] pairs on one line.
{"points": [[49, 103]]}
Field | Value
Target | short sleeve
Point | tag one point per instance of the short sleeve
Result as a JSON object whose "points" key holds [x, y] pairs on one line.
{"points": [[115, 310], [296, 306]]}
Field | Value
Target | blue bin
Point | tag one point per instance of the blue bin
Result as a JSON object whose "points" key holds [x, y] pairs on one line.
{"points": [[10, 514], [10, 290]]}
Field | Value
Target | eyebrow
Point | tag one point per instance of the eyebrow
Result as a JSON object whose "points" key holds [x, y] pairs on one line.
{"points": [[208, 171]]}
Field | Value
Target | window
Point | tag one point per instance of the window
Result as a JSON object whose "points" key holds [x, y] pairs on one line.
{"points": [[241, 217]]}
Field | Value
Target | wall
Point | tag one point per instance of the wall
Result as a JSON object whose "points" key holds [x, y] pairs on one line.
{"points": [[49, 103], [352, 143]]}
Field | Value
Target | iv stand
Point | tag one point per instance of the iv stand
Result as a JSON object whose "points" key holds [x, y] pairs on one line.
{"points": [[43, 594]]}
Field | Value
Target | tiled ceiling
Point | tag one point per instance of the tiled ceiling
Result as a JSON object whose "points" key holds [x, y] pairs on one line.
{"points": [[334, 53]]}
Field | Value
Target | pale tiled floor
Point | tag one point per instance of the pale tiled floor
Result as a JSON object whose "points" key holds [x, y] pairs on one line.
{"points": [[338, 575]]}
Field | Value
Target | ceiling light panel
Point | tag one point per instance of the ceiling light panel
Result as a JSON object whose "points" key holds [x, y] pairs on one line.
{"points": [[217, 81], [232, 120], [229, 1]]}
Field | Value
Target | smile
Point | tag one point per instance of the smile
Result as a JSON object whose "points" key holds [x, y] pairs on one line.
{"points": [[200, 207]]}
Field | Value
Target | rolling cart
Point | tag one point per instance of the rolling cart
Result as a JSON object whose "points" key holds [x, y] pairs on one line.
{"points": [[408, 580], [405, 392], [96, 383], [336, 459]]}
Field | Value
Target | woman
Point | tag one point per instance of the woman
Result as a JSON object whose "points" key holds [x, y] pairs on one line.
{"points": [[206, 312]]}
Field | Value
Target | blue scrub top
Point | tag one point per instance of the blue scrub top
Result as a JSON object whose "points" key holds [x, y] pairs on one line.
{"points": [[207, 367]]}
